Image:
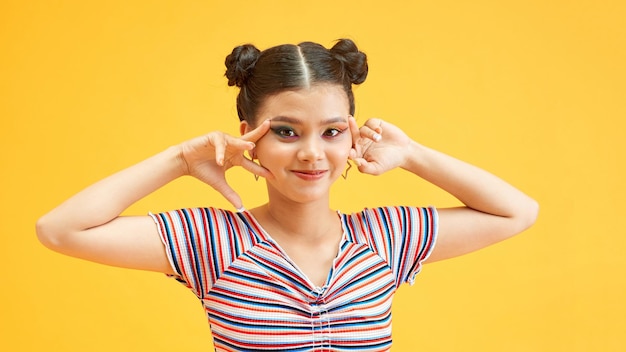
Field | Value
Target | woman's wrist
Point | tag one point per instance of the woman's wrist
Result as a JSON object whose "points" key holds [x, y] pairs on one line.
{"points": [[175, 153], [415, 158]]}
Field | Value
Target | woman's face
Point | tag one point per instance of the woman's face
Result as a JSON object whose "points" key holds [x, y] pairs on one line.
{"points": [[308, 143]]}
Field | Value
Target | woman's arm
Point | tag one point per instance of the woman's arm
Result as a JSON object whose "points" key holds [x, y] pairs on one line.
{"points": [[89, 225], [494, 210]]}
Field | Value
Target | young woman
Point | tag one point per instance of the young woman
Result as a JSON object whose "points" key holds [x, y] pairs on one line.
{"points": [[293, 274]]}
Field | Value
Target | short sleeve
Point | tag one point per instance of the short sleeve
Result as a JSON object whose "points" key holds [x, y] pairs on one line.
{"points": [[403, 236], [185, 236]]}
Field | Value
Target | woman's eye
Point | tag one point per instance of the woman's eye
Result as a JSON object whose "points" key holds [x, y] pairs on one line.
{"points": [[284, 132], [333, 132]]}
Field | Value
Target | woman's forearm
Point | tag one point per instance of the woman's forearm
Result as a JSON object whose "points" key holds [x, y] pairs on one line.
{"points": [[108, 198], [474, 187]]}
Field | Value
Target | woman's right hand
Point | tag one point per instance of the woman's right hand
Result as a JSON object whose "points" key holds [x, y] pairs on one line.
{"points": [[208, 157]]}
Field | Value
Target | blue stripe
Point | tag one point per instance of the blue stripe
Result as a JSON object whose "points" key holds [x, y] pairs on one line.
{"points": [[195, 248], [170, 241]]}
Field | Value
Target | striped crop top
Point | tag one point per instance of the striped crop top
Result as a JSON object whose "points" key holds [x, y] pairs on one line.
{"points": [[256, 299]]}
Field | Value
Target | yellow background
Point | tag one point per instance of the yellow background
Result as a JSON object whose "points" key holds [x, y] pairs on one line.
{"points": [[533, 91]]}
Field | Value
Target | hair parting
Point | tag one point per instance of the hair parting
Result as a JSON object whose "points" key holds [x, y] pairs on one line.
{"points": [[260, 74]]}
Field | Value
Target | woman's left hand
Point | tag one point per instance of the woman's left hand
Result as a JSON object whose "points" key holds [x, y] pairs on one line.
{"points": [[378, 146]]}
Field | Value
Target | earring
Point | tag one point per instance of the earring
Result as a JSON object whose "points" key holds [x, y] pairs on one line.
{"points": [[345, 173]]}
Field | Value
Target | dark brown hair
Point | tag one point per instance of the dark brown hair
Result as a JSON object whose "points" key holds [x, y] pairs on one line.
{"points": [[260, 74]]}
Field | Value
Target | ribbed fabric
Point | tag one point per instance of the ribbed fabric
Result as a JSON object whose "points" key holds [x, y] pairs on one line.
{"points": [[256, 298]]}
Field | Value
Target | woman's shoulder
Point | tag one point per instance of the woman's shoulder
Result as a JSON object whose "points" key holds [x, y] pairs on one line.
{"points": [[390, 210], [391, 219], [205, 218]]}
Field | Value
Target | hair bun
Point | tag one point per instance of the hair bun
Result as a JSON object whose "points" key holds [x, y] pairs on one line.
{"points": [[240, 64], [354, 61]]}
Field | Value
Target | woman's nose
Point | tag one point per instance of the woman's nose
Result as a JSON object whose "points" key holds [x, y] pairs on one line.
{"points": [[310, 150]]}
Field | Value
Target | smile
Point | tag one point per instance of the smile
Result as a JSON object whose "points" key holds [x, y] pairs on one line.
{"points": [[310, 175]]}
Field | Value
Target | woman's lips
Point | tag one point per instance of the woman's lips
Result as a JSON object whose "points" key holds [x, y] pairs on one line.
{"points": [[310, 175]]}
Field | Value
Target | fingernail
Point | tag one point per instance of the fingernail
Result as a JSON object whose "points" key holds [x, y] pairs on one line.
{"points": [[242, 209], [376, 137]]}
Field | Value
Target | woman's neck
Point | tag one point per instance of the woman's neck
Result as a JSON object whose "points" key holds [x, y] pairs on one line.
{"points": [[308, 221]]}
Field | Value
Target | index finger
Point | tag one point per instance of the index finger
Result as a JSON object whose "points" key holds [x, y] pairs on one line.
{"points": [[354, 130], [258, 132]]}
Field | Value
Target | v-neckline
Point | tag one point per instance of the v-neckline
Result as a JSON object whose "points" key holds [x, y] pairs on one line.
{"points": [[315, 289]]}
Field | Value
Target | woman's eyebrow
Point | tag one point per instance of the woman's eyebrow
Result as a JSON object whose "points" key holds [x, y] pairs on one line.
{"points": [[287, 119], [335, 120], [295, 121]]}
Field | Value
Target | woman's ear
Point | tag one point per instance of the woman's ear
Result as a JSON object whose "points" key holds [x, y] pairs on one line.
{"points": [[244, 127]]}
